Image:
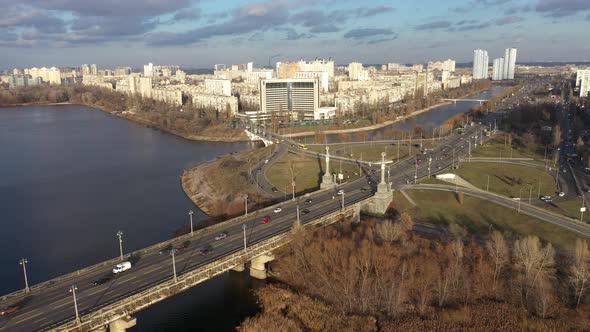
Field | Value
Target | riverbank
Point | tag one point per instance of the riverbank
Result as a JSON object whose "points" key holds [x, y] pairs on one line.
{"points": [[222, 134], [218, 187], [382, 124]]}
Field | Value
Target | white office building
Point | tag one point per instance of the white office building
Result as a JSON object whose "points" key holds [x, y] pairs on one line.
{"points": [[480, 64], [289, 95]]}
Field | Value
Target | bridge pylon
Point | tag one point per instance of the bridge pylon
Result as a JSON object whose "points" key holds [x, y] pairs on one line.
{"points": [[327, 181], [384, 195]]}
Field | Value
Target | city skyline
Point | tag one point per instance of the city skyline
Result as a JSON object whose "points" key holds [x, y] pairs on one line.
{"points": [[197, 34]]}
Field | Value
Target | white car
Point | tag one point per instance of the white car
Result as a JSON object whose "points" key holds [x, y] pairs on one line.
{"points": [[220, 236], [277, 210], [561, 194], [340, 192], [122, 267]]}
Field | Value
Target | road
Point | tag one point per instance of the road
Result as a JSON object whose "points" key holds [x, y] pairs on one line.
{"points": [[55, 304]]}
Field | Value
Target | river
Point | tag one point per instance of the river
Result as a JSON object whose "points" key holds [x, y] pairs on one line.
{"points": [[71, 176], [427, 120]]}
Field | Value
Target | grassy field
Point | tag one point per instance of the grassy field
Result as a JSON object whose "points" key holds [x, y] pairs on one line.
{"points": [[508, 179], [478, 216], [307, 171], [496, 148], [572, 209]]}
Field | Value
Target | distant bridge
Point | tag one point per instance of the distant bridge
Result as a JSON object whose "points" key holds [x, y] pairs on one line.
{"points": [[480, 101]]}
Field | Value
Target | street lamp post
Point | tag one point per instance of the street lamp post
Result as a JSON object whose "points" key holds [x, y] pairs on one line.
{"points": [[530, 194], [343, 199], [293, 186], [120, 235], [488, 185], [24, 263], [245, 243], [172, 252], [73, 289], [190, 214], [298, 220], [246, 204], [519, 198], [453, 158]]}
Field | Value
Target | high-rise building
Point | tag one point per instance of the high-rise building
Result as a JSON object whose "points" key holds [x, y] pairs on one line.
{"points": [[218, 87], [449, 65], [148, 70], [322, 76], [583, 77], [354, 70], [480, 64], [93, 69], [291, 96], [509, 63], [498, 69]]}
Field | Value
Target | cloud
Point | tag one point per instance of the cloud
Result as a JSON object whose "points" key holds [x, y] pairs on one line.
{"points": [[367, 12], [112, 7], [433, 25], [588, 17], [367, 33], [33, 18], [380, 41], [324, 28], [560, 8], [187, 14], [246, 19], [294, 35], [508, 20]]}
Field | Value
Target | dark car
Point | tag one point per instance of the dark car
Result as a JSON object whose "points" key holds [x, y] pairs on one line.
{"points": [[102, 280], [365, 188], [305, 211], [274, 189], [9, 310], [307, 201], [166, 249], [182, 246], [204, 250]]}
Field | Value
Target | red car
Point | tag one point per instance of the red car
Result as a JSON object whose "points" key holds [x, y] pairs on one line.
{"points": [[9, 310], [265, 220]]}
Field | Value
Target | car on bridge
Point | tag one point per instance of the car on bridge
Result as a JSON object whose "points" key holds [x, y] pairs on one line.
{"points": [[277, 210], [165, 250], [308, 201], [305, 211], [121, 267], [274, 189], [10, 310], [204, 250], [101, 280], [183, 246], [340, 192], [220, 236], [265, 220]]}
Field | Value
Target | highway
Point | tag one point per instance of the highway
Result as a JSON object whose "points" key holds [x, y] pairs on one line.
{"points": [[53, 304]]}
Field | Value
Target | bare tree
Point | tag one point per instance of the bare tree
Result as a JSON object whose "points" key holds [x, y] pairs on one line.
{"points": [[497, 249], [579, 271]]}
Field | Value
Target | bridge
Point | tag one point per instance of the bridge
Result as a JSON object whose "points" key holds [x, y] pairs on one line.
{"points": [[480, 101], [258, 137], [156, 275]]}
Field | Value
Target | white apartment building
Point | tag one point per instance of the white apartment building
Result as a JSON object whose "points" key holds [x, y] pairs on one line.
{"points": [[356, 72], [480, 64], [218, 87], [449, 65], [509, 63], [255, 76], [48, 75], [218, 102], [583, 77], [498, 69], [289, 95]]}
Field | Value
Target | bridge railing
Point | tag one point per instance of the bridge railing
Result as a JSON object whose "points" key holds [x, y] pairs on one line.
{"points": [[126, 305]]}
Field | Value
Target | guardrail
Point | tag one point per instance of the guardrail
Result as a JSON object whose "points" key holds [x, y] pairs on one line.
{"points": [[160, 290]]}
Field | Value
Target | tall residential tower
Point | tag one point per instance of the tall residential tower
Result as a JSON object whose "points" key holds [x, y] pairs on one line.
{"points": [[480, 64]]}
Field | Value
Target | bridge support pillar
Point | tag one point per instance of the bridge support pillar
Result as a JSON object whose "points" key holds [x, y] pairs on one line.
{"points": [[356, 217], [101, 329], [258, 267], [327, 181], [239, 268], [121, 325]]}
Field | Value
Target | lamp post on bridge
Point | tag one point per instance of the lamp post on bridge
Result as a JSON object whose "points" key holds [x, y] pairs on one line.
{"points": [[245, 243], [342, 199], [246, 204], [24, 263], [298, 219], [172, 252], [190, 214], [120, 235], [73, 289]]}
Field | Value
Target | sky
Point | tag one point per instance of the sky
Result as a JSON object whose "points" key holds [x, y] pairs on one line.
{"points": [[200, 33]]}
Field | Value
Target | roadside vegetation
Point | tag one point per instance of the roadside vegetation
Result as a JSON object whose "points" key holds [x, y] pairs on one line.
{"points": [[462, 212], [379, 275], [219, 187]]}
